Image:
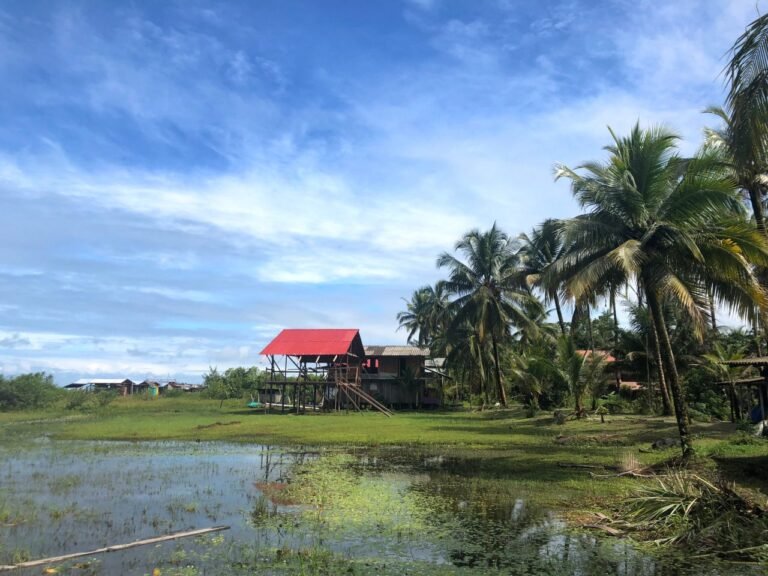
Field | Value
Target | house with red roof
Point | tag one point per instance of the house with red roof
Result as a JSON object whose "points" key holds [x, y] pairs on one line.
{"points": [[331, 368]]}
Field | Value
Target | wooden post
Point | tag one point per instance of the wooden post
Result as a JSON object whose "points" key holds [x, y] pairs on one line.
{"points": [[731, 401]]}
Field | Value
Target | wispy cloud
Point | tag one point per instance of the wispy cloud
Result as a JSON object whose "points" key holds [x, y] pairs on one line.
{"points": [[179, 181]]}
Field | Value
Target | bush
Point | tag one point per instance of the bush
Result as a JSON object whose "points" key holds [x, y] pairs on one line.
{"points": [[86, 401], [76, 400], [28, 391]]}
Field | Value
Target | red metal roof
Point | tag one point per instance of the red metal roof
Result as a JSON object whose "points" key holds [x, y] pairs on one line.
{"points": [[313, 342], [604, 354]]}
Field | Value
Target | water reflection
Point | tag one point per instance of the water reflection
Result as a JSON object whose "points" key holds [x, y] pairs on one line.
{"points": [[387, 512]]}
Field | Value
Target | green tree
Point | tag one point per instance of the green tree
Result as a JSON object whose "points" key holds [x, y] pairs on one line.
{"points": [[747, 118], [224, 386], [713, 364], [673, 225], [490, 292], [538, 253], [579, 369], [467, 357], [425, 315], [28, 391], [744, 159]]}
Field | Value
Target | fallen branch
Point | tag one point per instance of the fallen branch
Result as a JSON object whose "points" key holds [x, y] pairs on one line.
{"points": [[114, 548], [607, 529], [631, 473], [588, 466]]}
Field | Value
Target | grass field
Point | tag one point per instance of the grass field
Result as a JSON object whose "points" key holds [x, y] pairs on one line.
{"points": [[534, 454]]}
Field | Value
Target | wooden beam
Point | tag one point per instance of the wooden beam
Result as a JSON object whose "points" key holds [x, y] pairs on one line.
{"points": [[116, 548]]}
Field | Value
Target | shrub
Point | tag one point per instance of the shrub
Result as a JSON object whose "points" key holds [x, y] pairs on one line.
{"points": [[28, 391], [708, 518], [85, 401]]}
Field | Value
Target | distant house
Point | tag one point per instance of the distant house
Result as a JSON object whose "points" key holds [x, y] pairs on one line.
{"points": [[613, 365], [128, 387], [81, 384], [123, 385], [398, 376]]}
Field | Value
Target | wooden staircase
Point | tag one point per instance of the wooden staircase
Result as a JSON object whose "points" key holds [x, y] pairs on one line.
{"points": [[347, 380]]}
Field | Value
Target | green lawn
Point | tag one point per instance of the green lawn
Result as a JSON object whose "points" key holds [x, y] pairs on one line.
{"points": [[533, 454]]}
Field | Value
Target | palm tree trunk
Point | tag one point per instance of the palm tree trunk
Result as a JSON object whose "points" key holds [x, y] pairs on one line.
{"points": [[651, 394], [589, 329], [712, 310], [499, 383], [615, 322], [665, 400], [668, 357], [559, 311], [756, 199]]}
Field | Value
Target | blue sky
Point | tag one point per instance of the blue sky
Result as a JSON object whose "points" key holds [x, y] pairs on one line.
{"points": [[180, 180]]}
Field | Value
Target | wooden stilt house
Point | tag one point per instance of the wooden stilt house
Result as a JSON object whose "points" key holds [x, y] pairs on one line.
{"points": [[316, 369]]}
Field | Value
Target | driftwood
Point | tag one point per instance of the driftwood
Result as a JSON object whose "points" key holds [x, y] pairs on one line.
{"points": [[114, 548], [631, 473], [587, 466]]}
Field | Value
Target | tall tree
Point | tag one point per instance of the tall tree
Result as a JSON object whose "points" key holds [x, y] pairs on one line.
{"points": [[426, 314], [538, 252], [490, 293], [713, 363], [747, 104], [674, 225], [579, 369], [743, 157]]}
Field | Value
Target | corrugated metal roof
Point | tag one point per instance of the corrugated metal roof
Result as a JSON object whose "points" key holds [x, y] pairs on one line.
{"points": [[744, 382], [103, 381], [604, 354], [760, 361], [396, 351], [314, 342]]}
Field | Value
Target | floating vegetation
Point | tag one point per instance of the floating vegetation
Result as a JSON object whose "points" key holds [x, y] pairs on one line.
{"points": [[291, 512]]}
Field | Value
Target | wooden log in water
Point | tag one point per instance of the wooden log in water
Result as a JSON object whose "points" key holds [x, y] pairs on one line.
{"points": [[115, 548]]}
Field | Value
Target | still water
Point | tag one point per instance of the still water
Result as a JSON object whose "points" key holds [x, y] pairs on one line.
{"points": [[289, 512]]}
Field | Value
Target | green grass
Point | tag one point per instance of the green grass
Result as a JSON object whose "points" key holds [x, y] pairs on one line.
{"points": [[497, 446]]}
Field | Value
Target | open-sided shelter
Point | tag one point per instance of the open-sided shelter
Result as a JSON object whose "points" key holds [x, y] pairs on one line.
{"points": [[319, 368]]}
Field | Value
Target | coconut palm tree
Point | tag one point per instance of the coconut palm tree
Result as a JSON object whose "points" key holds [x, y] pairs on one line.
{"points": [[490, 293], [646, 347], [416, 317], [579, 370], [538, 252], [466, 355], [747, 104], [425, 314], [673, 225], [744, 159], [532, 375], [713, 363]]}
